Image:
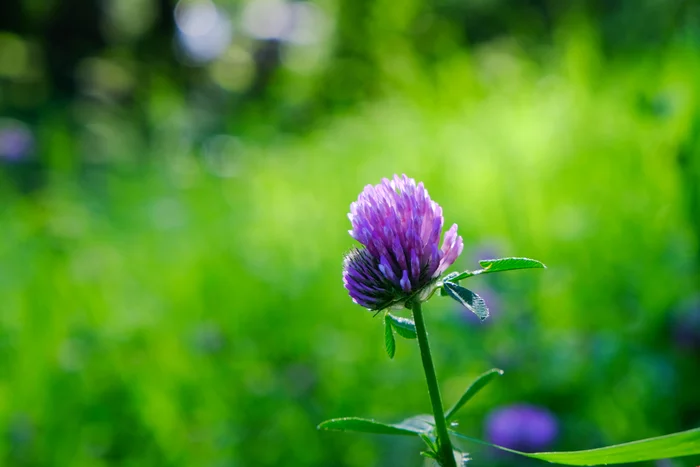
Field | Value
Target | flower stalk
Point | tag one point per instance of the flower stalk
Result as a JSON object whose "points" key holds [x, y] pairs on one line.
{"points": [[401, 263], [445, 452]]}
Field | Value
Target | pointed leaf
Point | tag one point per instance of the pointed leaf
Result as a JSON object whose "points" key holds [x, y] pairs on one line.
{"points": [[423, 423], [404, 327], [449, 277], [469, 299], [471, 391], [466, 274], [389, 341], [509, 264], [455, 277], [410, 427], [497, 265], [685, 443]]}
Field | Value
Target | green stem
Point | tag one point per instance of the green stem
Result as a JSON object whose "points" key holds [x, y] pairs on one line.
{"points": [[445, 453]]}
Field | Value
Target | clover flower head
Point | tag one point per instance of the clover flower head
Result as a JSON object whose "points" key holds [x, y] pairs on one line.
{"points": [[399, 227]]}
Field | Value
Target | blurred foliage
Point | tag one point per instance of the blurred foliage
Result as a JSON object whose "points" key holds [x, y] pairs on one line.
{"points": [[172, 238]]}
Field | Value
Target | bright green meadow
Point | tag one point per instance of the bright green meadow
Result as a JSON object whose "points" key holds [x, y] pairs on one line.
{"points": [[165, 303]]}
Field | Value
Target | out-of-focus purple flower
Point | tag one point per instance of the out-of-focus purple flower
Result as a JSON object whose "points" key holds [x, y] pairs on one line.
{"points": [[522, 427], [400, 227], [686, 325], [16, 141]]}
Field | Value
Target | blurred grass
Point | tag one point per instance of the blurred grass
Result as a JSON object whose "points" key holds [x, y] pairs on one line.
{"points": [[156, 313]]}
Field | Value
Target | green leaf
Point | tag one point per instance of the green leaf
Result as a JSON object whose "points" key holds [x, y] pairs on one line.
{"points": [[471, 391], [685, 443], [449, 277], [404, 327], [464, 275], [414, 426], [389, 341], [429, 440], [469, 299], [423, 423], [510, 264], [497, 265]]}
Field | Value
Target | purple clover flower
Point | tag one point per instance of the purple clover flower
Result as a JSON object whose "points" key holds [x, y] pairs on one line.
{"points": [[522, 427], [686, 325], [400, 227], [16, 141]]}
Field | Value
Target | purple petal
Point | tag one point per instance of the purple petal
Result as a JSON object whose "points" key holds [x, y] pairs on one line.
{"points": [[399, 226]]}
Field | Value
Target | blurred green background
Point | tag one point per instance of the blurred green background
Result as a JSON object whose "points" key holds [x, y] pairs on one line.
{"points": [[174, 183]]}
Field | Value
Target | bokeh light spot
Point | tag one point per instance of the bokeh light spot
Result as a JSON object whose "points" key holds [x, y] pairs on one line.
{"points": [[234, 70], [14, 56], [204, 31]]}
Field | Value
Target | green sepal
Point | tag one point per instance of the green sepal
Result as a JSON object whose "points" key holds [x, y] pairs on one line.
{"points": [[685, 443], [404, 327], [414, 426], [476, 386], [389, 341], [468, 299]]}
